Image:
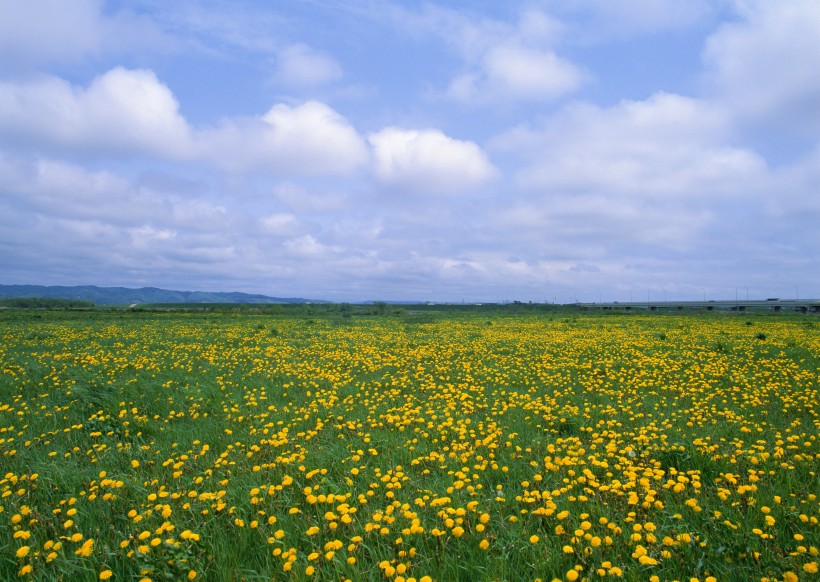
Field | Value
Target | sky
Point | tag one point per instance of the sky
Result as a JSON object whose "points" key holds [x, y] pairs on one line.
{"points": [[355, 150]]}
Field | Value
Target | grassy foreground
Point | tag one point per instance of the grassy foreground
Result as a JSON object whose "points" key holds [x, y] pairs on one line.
{"points": [[150, 446]]}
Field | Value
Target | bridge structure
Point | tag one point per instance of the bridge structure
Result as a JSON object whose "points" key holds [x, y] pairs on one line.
{"points": [[799, 305]]}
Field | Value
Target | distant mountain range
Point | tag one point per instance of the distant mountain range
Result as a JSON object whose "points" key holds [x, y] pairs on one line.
{"points": [[126, 296]]}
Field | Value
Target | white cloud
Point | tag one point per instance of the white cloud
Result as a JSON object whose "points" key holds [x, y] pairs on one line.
{"points": [[668, 145], [308, 247], [626, 18], [301, 66], [510, 72], [470, 33], [652, 174], [305, 200], [280, 224], [45, 31], [428, 161], [68, 191], [48, 29], [126, 112], [218, 27], [762, 66], [89, 225], [504, 62], [61, 190], [122, 110], [147, 235], [308, 139]]}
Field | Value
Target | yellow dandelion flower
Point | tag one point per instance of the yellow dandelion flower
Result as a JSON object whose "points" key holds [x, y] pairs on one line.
{"points": [[86, 549]]}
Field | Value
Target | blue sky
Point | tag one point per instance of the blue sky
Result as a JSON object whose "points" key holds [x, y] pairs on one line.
{"points": [[354, 150]]}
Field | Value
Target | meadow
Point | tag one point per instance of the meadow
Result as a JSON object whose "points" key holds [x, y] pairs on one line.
{"points": [[408, 447]]}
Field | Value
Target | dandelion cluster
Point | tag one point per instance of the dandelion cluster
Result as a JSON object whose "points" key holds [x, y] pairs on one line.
{"points": [[190, 446]]}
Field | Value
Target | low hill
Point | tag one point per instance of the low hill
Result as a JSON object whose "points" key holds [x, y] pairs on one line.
{"points": [[127, 296]]}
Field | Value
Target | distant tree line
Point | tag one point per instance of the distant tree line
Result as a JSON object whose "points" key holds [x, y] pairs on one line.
{"points": [[42, 303]]}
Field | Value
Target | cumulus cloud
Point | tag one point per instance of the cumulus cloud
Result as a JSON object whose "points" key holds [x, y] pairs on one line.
{"points": [[67, 191], [757, 64], [503, 62], [667, 145], [428, 161], [307, 139], [301, 66], [87, 225], [510, 72], [127, 111], [658, 172], [55, 189]]}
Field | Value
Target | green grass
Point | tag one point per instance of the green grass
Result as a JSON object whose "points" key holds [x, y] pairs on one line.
{"points": [[237, 425]]}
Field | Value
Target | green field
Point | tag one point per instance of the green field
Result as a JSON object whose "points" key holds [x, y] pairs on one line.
{"points": [[399, 445]]}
